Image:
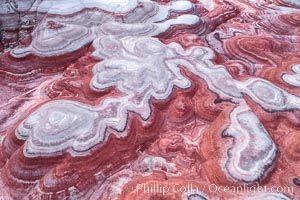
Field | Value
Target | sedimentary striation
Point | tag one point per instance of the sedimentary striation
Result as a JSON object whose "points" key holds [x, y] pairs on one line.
{"points": [[140, 99]]}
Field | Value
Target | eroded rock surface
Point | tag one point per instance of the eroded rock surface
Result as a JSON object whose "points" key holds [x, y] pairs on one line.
{"points": [[140, 99]]}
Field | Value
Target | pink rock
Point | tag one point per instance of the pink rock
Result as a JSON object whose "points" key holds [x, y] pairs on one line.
{"points": [[119, 99]]}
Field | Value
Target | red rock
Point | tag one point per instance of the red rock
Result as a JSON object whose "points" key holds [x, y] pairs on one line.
{"points": [[149, 99]]}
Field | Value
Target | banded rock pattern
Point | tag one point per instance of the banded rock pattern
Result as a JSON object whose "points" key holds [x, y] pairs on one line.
{"points": [[108, 99]]}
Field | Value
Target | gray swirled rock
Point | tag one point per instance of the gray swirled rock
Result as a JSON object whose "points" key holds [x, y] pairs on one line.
{"points": [[293, 79], [254, 150], [58, 126], [53, 39]]}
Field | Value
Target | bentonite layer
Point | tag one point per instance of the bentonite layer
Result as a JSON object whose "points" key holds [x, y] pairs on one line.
{"points": [[149, 100]]}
